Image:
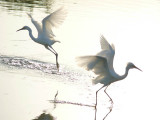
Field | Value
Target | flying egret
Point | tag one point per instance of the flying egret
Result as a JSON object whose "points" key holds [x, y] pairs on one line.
{"points": [[102, 65], [45, 33]]}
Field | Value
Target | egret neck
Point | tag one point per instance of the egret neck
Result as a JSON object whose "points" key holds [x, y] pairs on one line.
{"points": [[31, 35]]}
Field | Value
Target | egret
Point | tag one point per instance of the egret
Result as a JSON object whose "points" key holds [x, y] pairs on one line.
{"points": [[102, 65], [45, 33]]}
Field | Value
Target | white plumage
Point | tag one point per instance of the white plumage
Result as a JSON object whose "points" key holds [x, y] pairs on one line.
{"points": [[44, 29], [102, 65]]}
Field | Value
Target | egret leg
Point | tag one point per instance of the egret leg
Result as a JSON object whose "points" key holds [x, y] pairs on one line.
{"points": [[96, 102], [110, 108], [48, 48], [56, 57]]}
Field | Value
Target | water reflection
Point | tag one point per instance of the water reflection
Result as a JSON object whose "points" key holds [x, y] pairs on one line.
{"points": [[25, 5], [45, 116]]}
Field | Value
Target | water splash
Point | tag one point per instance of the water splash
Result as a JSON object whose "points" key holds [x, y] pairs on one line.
{"points": [[45, 67], [21, 62]]}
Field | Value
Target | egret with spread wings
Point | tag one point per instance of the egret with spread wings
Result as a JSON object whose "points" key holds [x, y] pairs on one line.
{"points": [[102, 65], [45, 33]]}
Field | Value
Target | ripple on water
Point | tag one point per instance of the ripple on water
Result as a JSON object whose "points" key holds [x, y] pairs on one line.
{"points": [[45, 67], [21, 62]]}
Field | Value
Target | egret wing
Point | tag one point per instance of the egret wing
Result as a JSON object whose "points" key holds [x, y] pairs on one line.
{"points": [[105, 45], [53, 20], [96, 64], [108, 51], [36, 24]]}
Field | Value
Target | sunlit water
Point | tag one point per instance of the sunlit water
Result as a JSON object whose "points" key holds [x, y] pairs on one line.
{"points": [[28, 74]]}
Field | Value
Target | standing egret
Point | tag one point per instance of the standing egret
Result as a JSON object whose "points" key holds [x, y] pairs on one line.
{"points": [[45, 33], [102, 65]]}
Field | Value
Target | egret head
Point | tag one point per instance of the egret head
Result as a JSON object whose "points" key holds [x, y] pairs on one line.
{"points": [[23, 28], [131, 66]]}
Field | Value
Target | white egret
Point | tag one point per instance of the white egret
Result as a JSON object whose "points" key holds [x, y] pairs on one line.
{"points": [[45, 33], [102, 65]]}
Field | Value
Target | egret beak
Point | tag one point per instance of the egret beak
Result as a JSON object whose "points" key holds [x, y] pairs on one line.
{"points": [[19, 29], [138, 68]]}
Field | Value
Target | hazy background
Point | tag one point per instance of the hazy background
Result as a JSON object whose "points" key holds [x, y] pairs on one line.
{"points": [[132, 25]]}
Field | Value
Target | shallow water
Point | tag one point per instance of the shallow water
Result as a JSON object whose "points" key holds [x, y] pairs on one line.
{"points": [[28, 75], [27, 86]]}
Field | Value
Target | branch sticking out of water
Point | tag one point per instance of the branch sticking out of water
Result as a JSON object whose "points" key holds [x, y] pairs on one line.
{"points": [[72, 103], [55, 101]]}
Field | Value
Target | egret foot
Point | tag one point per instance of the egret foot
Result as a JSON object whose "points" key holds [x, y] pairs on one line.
{"points": [[57, 66], [110, 108], [111, 101]]}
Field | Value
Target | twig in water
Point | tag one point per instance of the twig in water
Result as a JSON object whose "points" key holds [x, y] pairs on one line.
{"points": [[55, 98], [72, 103], [55, 101]]}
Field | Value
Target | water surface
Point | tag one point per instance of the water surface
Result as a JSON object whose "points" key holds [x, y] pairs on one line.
{"points": [[28, 75]]}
